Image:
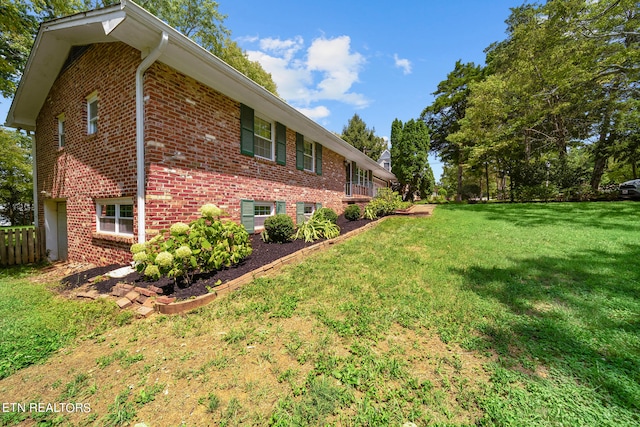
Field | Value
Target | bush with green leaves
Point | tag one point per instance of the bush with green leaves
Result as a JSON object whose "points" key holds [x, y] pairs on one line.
{"points": [[317, 228], [205, 245], [278, 229], [352, 212], [326, 213], [385, 203]]}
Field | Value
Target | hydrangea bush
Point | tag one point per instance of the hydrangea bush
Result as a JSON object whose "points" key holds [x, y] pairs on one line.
{"points": [[205, 245]]}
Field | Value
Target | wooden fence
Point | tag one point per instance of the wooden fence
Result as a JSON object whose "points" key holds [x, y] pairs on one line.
{"points": [[22, 246]]}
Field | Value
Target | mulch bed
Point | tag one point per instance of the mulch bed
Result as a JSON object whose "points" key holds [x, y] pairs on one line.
{"points": [[263, 254]]}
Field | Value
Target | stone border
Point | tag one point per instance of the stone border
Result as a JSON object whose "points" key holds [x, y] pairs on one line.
{"points": [[266, 270]]}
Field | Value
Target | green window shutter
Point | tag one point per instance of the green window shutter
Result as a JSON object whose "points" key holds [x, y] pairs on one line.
{"points": [[319, 159], [247, 215], [318, 206], [246, 130], [299, 151], [281, 144], [300, 218], [281, 207]]}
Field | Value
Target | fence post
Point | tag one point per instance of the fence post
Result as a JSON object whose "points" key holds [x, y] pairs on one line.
{"points": [[25, 248], [11, 247], [3, 249]]}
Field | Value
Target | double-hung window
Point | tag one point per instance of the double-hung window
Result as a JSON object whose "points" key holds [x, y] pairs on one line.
{"points": [[92, 113], [61, 130], [263, 138], [115, 216], [308, 155]]}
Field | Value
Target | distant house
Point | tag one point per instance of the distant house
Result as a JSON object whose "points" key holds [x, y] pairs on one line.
{"points": [[385, 160], [136, 127]]}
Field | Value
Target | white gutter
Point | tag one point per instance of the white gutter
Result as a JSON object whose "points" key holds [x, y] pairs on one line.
{"points": [[146, 63]]}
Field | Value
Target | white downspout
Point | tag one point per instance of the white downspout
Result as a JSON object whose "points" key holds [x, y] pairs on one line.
{"points": [[146, 63], [34, 177]]}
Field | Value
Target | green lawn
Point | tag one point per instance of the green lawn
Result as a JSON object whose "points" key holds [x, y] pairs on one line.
{"points": [[34, 322], [492, 315]]}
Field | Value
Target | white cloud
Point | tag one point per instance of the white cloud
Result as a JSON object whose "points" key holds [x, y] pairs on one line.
{"points": [[405, 64], [326, 70], [316, 113]]}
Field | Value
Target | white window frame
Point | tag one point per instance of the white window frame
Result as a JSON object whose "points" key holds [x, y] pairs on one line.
{"points": [[61, 130], [92, 121], [312, 209], [362, 176], [259, 219], [306, 156], [271, 141], [116, 217]]}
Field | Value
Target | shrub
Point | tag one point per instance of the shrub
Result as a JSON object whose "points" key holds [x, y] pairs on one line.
{"points": [[326, 213], [385, 203], [317, 228], [206, 244], [278, 228], [443, 192], [352, 212]]}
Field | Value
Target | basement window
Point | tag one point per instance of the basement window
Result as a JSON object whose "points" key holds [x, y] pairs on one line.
{"points": [[115, 216]]}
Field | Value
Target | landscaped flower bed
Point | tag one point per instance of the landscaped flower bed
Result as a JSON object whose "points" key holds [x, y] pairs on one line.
{"points": [[263, 254]]}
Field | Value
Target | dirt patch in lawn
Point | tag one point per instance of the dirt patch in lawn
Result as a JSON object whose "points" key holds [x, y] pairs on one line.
{"points": [[263, 254]]}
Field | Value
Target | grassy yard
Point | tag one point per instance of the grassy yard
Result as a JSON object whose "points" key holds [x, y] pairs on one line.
{"points": [[492, 315]]}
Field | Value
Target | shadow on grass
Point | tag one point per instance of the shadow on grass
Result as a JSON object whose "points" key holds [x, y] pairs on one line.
{"points": [[578, 315], [602, 215]]}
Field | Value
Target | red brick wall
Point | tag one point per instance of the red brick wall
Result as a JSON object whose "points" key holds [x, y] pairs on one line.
{"points": [[101, 165], [204, 126], [181, 116]]}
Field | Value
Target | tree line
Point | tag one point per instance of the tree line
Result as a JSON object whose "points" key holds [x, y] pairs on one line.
{"points": [[554, 113]]}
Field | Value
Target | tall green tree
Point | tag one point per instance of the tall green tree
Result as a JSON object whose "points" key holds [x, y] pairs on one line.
{"points": [[364, 139], [444, 115], [16, 187], [410, 157], [198, 19], [17, 28]]}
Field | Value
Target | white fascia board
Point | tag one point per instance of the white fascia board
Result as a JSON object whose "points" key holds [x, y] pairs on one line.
{"points": [[48, 55]]}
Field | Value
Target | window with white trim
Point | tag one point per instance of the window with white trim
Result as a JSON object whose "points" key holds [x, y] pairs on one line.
{"points": [[362, 176], [263, 145], [92, 113], [309, 151], [261, 211], [309, 209], [115, 216], [61, 130]]}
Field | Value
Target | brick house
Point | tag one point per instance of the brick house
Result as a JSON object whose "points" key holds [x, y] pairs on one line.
{"points": [[135, 127]]}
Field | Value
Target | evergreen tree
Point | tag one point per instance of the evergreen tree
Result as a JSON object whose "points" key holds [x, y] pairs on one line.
{"points": [[409, 158], [364, 139]]}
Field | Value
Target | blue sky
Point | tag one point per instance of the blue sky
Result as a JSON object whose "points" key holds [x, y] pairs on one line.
{"points": [[382, 60]]}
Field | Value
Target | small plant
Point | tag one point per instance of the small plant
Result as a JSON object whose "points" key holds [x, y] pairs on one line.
{"points": [[206, 244], [213, 403], [278, 229], [352, 212], [121, 412], [385, 203], [326, 213], [317, 228]]}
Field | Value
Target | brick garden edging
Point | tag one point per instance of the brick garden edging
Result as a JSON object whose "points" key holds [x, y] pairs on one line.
{"points": [[266, 270]]}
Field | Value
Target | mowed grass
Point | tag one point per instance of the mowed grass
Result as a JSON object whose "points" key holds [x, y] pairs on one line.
{"points": [[34, 322], [492, 315]]}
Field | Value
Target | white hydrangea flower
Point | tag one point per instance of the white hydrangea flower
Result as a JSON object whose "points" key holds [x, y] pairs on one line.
{"points": [[183, 252], [164, 259]]}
